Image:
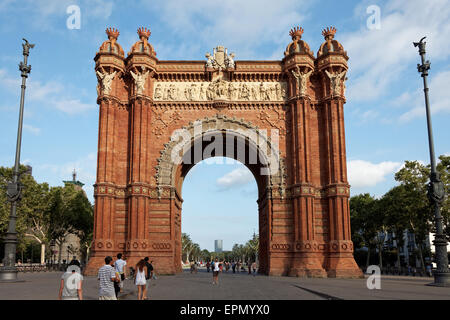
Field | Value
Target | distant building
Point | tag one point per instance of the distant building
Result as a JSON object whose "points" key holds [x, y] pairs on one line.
{"points": [[218, 246], [29, 170]]}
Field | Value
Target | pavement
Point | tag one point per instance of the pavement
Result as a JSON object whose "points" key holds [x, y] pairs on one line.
{"points": [[239, 286]]}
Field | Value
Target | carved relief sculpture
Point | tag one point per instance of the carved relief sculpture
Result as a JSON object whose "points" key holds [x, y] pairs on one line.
{"points": [[335, 82], [105, 79], [219, 89], [302, 79], [139, 80], [220, 59]]}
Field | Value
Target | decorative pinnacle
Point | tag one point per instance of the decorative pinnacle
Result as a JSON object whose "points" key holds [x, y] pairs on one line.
{"points": [[329, 32], [143, 33], [296, 32], [111, 32]]}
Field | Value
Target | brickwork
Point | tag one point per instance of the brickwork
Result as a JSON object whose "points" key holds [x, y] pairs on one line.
{"points": [[304, 222]]}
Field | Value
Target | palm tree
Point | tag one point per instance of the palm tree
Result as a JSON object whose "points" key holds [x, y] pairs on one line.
{"points": [[186, 245]]}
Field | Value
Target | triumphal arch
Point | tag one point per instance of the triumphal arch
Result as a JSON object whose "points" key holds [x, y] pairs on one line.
{"points": [[283, 119]]}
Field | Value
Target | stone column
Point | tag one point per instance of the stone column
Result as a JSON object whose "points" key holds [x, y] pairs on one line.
{"points": [[137, 245], [340, 260], [307, 262], [104, 188]]}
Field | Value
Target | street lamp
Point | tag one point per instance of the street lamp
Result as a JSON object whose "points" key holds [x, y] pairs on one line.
{"points": [[436, 192], [8, 272]]}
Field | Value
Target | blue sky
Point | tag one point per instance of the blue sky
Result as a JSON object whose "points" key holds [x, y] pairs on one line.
{"points": [[384, 114]]}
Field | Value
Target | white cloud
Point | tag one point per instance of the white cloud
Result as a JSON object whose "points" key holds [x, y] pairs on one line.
{"points": [[72, 106], [33, 130], [53, 94], [378, 57], [47, 15], [439, 94], [241, 26], [366, 174], [237, 177]]}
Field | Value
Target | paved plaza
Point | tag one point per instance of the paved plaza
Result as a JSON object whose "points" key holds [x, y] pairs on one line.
{"points": [[187, 286]]}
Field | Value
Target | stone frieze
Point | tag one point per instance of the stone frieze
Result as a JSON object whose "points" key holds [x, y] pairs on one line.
{"points": [[220, 90]]}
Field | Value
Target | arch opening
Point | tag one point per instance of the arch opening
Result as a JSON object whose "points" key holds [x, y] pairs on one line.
{"points": [[233, 145], [219, 203]]}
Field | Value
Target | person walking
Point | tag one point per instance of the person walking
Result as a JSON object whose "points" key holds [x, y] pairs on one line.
{"points": [[148, 276], [120, 266], [75, 262], [106, 277], [216, 270], [117, 284], [233, 266], [207, 266], [254, 268], [139, 279], [71, 284], [429, 273]]}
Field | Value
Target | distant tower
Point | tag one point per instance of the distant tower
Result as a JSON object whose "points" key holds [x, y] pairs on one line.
{"points": [[77, 184], [218, 246]]}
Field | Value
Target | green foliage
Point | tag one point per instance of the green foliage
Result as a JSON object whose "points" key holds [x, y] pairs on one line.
{"points": [[363, 228], [70, 212], [45, 214], [443, 167], [404, 207], [30, 209]]}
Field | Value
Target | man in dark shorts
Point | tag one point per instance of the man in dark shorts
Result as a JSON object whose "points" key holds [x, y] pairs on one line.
{"points": [[149, 274]]}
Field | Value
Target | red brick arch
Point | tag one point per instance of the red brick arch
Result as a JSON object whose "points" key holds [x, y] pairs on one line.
{"points": [[293, 108]]}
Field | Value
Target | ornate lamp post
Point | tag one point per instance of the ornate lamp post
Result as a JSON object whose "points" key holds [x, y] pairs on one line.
{"points": [[436, 192], [9, 271]]}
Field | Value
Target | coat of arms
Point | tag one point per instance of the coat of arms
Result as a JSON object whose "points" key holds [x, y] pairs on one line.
{"points": [[220, 59]]}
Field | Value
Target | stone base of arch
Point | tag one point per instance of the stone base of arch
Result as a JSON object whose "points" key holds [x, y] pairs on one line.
{"points": [[343, 266]]}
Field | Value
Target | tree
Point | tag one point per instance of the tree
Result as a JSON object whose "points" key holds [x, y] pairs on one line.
{"points": [[186, 245], [81, 218], [393, 202], [195, 252], [443, 167], [379, 220], [414, 177], [70, 213], [35, 216], [31, 218], [205, 255], [364, 230], [252, 247]]}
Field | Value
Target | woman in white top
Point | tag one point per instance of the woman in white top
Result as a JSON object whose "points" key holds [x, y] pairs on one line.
{"points": [[139, 279], [216, 271]]}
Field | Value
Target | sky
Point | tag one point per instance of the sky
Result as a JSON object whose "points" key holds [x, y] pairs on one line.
{"points": [[384, 115]]}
